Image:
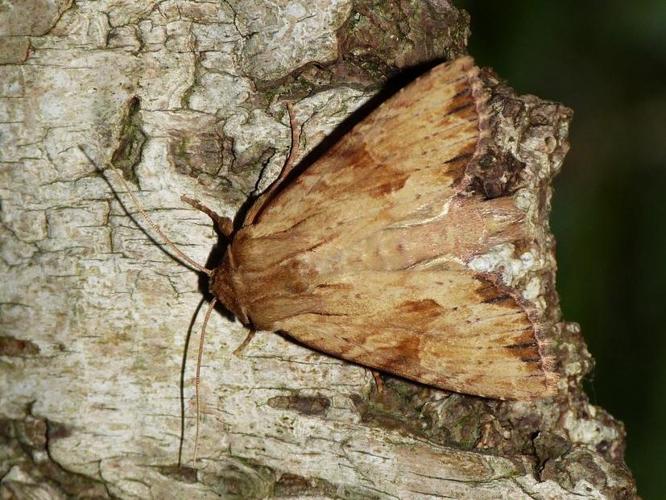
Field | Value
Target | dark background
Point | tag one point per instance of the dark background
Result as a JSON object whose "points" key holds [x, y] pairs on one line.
{"points": [[607, 61]]}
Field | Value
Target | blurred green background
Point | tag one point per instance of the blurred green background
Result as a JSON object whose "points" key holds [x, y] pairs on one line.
{"points": [[607, 61]]}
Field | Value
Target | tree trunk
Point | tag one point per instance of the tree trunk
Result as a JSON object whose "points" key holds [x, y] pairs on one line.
{"points": [[189, 98]]}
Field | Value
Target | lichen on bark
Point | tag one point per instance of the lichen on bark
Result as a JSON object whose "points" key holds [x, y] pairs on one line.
{"points": [[189, 97]]}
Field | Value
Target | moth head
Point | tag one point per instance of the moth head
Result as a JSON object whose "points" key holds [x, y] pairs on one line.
{"points": [[221, 284]]}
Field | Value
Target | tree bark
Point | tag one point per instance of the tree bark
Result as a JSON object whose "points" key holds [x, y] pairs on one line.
{"points": [[189, 98]]}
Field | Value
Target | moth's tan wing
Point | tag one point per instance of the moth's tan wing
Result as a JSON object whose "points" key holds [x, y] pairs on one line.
{"points": [[441, 327], [380, 223], [435, 122]]}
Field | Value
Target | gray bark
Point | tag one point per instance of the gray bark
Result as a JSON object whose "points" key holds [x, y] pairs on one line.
{"points": [[188, 97]]}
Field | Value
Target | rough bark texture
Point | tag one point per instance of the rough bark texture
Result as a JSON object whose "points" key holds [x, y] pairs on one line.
{"points": [[188, 97]]}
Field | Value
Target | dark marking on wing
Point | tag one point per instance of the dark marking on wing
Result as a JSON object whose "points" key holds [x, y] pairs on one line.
{"points": [[403, 355], [426, 309], [492, 294], [522, 345]]}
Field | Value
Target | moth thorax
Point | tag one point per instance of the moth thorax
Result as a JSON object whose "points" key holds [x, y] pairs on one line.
{"points": [[222, 286]]}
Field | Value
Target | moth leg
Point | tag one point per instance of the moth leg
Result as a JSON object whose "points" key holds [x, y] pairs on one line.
{"points": [[238, 351], [294, 151], [295, 148], [379, 383], [224, 224]]}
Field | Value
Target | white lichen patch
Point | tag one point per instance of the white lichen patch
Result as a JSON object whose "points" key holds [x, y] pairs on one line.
{"points": [[532, 289], [525, 199], [501, 259], [588, 431]]}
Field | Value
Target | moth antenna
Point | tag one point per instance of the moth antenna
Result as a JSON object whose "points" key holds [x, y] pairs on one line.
{"points": [[224, 224], [197, 377], [156, 228]]}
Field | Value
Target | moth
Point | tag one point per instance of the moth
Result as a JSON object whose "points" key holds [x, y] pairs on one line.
{"points": [[363, 255]]}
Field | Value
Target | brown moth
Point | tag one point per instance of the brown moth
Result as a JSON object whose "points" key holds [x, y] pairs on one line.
{"points": [[362, 255]]}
